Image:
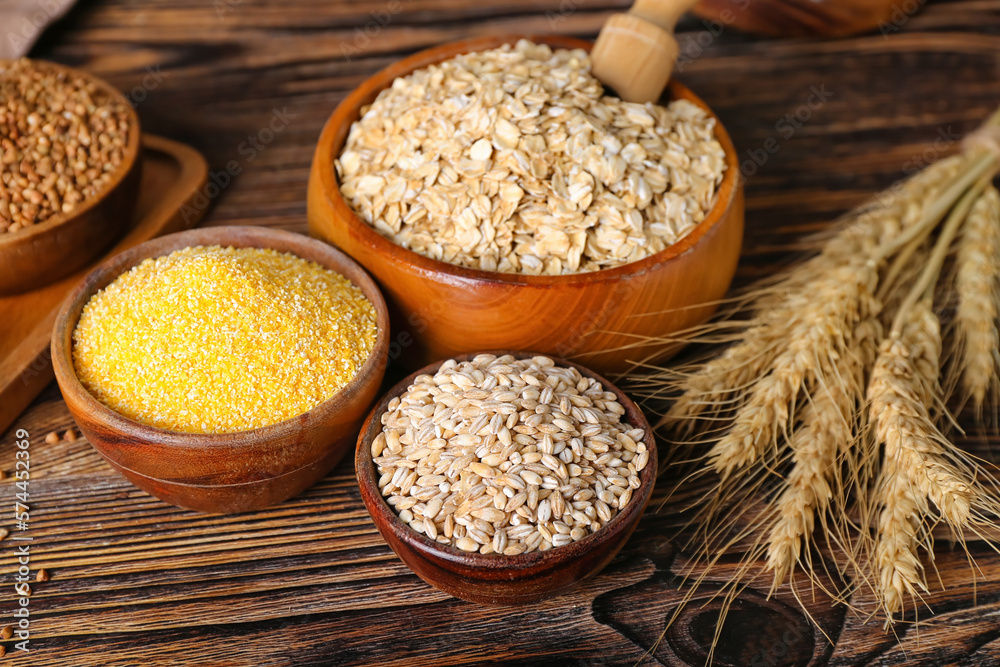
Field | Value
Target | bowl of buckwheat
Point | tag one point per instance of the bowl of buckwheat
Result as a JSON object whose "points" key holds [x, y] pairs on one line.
{"points": [[505, 199], [69, 171], [505, 478]]}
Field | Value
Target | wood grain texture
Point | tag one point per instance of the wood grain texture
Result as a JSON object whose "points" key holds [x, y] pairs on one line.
{"points": [[172, 174], [603, 319], [310, 582]]}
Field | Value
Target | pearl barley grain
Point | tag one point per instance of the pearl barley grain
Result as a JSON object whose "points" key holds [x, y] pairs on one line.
{"points": [[509, 495], [219, 340]]}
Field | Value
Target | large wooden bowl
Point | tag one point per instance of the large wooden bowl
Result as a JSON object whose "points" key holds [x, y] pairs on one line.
{"points": [[66, 242], [496, 579], [232, 472], [602, 318]]}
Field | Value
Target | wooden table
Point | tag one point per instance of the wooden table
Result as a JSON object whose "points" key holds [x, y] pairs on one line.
{"points": [[820, 126]]}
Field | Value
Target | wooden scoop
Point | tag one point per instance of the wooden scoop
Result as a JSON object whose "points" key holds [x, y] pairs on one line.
{"points": [[635, 52]]}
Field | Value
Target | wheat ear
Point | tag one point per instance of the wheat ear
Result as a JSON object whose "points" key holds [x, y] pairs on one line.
{"points": [[833, 304], [900, 534], [882, 219], [716, 383], [976, 284], [722, 383], [903, 385], [919, 463], [821, 447]]}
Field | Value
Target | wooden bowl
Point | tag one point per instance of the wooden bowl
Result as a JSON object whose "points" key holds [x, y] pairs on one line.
{"points": [[806, 18], [66, 242], [601, 318], [497, 579], [230, 472]]}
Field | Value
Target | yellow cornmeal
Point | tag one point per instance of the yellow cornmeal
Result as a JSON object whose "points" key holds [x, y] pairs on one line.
{"points": [[219, 340]]}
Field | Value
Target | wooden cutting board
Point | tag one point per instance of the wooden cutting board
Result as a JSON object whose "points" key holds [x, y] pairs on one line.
{"points": [[172, 174]]}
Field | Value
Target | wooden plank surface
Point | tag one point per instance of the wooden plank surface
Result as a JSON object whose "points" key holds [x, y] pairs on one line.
{"points": [[136, 582]]}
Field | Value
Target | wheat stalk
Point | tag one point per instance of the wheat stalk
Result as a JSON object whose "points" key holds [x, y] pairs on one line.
{"points": [[720, 383], [976, 285], [886, 216], [919, 463], [844, 422], [832, 304], [819, 447], [708, 391], [836, 299]]}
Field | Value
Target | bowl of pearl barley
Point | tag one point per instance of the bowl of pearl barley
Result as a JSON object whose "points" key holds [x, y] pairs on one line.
{"points": [[505, 478]]}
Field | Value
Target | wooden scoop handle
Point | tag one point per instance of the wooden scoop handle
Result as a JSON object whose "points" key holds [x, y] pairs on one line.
{"points": [[635, 52], [664, 13]]}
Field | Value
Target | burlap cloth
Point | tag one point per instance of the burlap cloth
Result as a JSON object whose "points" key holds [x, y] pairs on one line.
{"points": [[23, 21]]}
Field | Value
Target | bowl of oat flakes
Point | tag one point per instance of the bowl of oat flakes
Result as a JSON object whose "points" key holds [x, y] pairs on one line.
{"points": [[69, 171], [505, 200]]}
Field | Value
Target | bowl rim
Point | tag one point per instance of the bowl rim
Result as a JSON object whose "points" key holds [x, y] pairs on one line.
{"points": [[384, 516], [132, 150], [253, 236], [337, 127]]}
